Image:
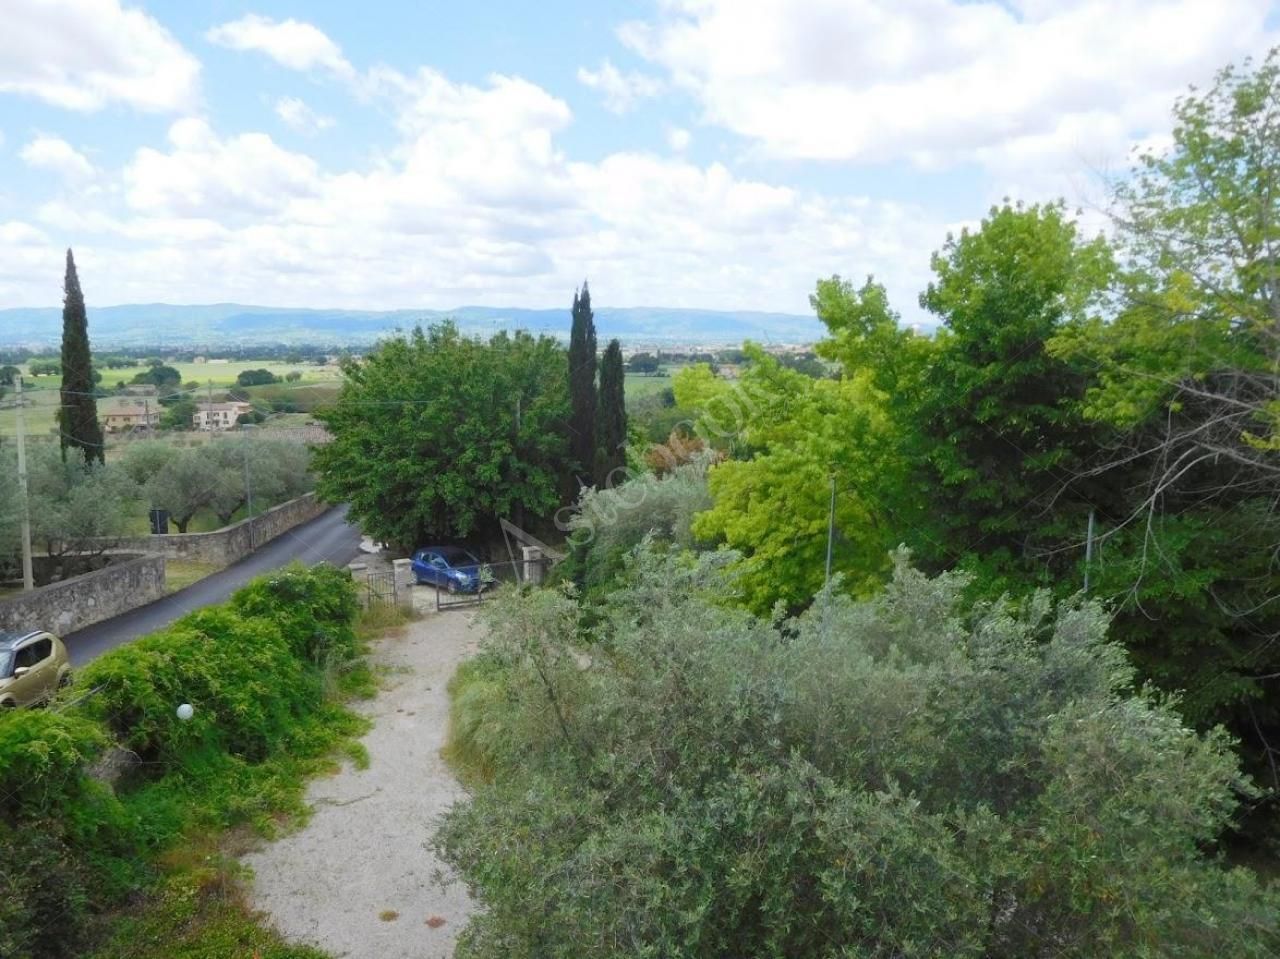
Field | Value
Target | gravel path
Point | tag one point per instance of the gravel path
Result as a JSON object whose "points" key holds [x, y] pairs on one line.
{"points": [[358, 880]]}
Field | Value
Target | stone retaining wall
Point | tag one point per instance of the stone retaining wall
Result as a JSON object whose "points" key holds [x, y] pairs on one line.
{"points": [[81, 601], [231, 543]]}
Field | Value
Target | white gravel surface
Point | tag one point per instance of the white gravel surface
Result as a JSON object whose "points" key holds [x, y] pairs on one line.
{"points": [[363, 855]]}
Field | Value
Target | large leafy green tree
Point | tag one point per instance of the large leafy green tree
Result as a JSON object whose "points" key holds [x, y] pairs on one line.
{"points": [[436, 435], [1002, 417], [794, 437], [611, 418], [78, 414], [1186, 377], [582, 382]]}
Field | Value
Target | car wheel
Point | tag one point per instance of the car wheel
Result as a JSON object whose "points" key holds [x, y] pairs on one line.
{"points": [[8, 704], [64, 680], [452, 586]]}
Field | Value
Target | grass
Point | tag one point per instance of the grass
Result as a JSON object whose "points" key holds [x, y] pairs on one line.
{"points": [[42, 408], [204, 521], [636, 385], [477, 694], [181, 573], [317, 384], [200, 912], [224, 374]]}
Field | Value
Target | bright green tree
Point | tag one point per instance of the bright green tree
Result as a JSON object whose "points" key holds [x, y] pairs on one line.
{"points": [[611, 418], [795, 436], [78, 412], [1002, 417], [178, 414], [582, 382], [437, 435]]}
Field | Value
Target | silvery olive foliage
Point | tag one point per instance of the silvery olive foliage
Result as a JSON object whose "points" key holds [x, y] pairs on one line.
{"points": [[899, 777]]}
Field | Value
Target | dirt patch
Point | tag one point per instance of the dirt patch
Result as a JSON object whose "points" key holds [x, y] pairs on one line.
{"points": [[359, 880]]}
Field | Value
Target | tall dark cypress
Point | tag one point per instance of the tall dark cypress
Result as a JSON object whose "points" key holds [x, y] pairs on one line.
{"points": [[78, 415], [611, 419], [582, 383]]}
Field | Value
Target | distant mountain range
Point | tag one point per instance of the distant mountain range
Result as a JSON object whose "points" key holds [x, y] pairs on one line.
{"points": [[219, 324]]}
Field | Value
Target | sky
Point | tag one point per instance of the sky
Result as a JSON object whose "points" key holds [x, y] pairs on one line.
{"points": [[720, 154]]}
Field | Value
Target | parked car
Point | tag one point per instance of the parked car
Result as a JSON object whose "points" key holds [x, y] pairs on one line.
{"points": [[33, 666], [452, 567]]}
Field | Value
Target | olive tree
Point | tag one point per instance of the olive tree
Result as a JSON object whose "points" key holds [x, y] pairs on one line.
{"points": [[898, 777]]}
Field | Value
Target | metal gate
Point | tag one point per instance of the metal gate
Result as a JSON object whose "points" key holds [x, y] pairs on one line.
{"points": [[492, 576], [380, 588]]}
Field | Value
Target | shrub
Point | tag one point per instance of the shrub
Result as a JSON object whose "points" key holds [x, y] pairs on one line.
{"points": [[238, 672], [901, 777], [609, 523], [255, 669], [54, 822], [314, 608]]}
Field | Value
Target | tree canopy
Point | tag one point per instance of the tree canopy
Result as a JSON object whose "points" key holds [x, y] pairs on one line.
{"points": [[903, 777], [80, 431], [582, 383], [436, 435], [611, 418]]}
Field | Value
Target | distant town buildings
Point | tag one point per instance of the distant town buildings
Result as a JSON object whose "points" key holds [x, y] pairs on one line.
{"points": [[219, 416], [126, 415]]}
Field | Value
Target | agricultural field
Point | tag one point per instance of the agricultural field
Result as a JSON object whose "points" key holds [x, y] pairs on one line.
{"points": [[637, 385], [42, 409], [224, 374], [316, 386]]}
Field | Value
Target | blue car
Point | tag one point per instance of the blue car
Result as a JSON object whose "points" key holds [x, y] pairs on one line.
{"points": [[452, 567]]}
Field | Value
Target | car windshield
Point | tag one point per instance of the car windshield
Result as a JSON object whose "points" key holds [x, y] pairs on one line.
{"points": [[6, 663], [457, 557]]}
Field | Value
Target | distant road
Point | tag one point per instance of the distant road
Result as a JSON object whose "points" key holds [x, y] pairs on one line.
{"points": [[328, 538]]}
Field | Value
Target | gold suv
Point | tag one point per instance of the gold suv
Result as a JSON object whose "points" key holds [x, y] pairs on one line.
{"points": [[33, 665]]}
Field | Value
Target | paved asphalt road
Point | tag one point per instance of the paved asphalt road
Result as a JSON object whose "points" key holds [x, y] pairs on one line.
{"points": [[327, 538]]}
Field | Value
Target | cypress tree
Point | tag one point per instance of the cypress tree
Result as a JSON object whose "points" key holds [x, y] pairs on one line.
{"points": [[611, 419], [78, 415], [582, 382]]}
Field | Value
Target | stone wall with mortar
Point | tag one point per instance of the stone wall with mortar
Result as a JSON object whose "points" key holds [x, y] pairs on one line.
{"points": [[231, 543], [81, 601]]}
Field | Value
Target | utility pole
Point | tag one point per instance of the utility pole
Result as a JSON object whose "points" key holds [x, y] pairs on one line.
{"points": [[831, 530], [248, 484], [1088, 553], [28, 578]]}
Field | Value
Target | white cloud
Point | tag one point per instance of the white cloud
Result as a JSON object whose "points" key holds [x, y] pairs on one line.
{"points": [[941, 81], [291, 43], [678, 139], [477, 202], [298, 116], [87, 54], [622, 91], [236, 179], [58, 156]]}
